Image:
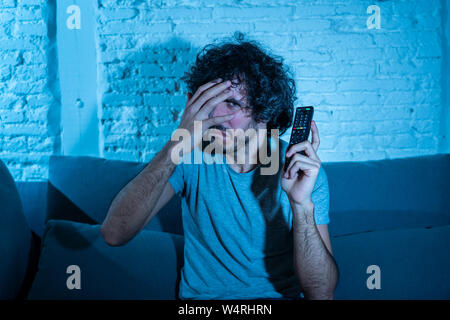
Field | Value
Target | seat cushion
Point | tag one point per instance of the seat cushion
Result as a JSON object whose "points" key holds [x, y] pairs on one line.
{"points": [[414, 263], [145, 268], [350, 222], [82, 188], [15, 237]]}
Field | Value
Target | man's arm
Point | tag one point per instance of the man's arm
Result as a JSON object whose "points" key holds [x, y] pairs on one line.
{"points": [[314, 265], [136, 204], [140, 200]]}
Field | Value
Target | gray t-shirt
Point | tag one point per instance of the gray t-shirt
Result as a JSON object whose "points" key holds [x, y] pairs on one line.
{"points": [[238, 231]]}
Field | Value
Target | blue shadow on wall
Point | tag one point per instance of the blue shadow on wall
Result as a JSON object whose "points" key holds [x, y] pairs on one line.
{"points": [[145, 92]]}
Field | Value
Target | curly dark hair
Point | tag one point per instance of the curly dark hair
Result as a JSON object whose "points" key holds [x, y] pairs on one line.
{"points": [[269, 86]]}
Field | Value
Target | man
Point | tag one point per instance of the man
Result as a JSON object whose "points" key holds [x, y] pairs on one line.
{"points": [[247, 235]]}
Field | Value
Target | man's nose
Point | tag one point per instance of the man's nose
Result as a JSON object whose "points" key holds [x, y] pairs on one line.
{"points": [[221, 110]]}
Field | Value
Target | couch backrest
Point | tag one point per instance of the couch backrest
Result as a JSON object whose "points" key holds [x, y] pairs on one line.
{"points": [[418, 183], [82, 188], [364, 196], [384, 194]]}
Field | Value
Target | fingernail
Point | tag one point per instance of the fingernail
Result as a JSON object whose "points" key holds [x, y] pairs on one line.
{"points": [[217, 80]]}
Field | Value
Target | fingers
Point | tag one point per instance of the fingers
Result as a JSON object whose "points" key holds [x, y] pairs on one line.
{"points": [[300, 162], [208, 94], [201, 89], [209, 106], [298, 165], [315, 141], [302, 146], [216, 120]]}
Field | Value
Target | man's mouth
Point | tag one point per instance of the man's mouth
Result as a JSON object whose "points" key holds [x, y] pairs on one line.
{"points": [[218, 127], [221, 128]]}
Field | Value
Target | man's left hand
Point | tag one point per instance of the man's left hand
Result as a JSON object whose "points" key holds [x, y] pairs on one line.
{"points": [[299, 185]]}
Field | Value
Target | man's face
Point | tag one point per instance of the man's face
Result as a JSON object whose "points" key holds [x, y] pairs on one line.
{"points": [[236, 104]]}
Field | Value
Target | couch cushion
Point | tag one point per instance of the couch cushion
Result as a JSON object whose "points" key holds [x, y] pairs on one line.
{"points": [[350, 222], [34, 200], [15, 237], [408, 184], [82, 189], [145, 268], [414, 263]]}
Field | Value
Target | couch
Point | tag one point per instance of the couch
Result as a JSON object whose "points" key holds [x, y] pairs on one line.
{"points": [[392, 214]]}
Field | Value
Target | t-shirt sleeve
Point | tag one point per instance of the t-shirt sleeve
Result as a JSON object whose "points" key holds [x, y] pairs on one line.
{"points": [[176, 180], [321, 198], [180, 177]]}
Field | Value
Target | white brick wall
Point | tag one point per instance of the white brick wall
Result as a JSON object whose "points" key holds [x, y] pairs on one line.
{"points": [[377, 93], [29, 132]]}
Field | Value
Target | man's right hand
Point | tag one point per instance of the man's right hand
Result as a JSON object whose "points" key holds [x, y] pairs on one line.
{"points": [[199, 107]]}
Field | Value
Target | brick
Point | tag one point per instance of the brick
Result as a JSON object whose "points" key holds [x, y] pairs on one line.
{"points": [[39, 114], [316, 85], [218, 27], [29, 87], [252, 13], [134, 28], [310, 56], [6, 16], [31, 29], [10, 116], [177, 14], [29, 14], [22, 129], [16, 44], [316, 10], [114, 99], [9, 57], [35, 57], [335, 41], [7, 3], [114, 42], [309, 25], [118, 14], [31, 2], [334, 69], [16, 143]]}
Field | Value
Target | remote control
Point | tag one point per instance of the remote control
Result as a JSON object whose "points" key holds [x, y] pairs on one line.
{"points": [[301, 128]]}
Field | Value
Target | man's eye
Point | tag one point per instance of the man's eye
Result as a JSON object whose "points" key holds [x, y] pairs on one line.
{"points": [[232, 104]]}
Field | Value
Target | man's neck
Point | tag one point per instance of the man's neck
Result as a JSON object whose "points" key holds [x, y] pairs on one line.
{"points": [[252, 160]]}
